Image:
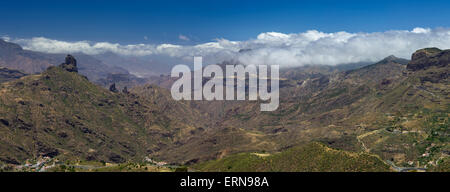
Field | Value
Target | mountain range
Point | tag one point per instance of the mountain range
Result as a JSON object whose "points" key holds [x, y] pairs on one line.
{"points": [[365, 117]]}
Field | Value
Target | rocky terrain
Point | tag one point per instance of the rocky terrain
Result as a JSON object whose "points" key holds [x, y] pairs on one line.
{"points": [[391, 113], [60, 113], [385, 109]]}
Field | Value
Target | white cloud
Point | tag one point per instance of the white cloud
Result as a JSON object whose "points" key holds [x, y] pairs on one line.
{"points": [[296, 49], [272, 36], [183, 37], [420, 30], [5, 38]]}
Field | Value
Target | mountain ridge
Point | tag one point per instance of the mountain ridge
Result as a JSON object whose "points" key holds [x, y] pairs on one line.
{"points": [[59, 113], [386, 109], [13, 56]]}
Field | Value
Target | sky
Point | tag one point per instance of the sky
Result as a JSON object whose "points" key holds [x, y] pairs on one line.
{"points": [[170, 21], [291, 33]]}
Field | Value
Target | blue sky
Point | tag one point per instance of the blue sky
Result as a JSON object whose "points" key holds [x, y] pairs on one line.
{"points": [[166, 21]]}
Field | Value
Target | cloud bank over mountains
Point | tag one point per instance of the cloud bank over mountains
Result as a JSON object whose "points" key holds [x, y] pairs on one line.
{"points": [[288, 50]]}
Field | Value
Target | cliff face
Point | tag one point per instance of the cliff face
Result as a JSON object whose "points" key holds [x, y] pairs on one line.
{"points": [[430, 65], [70, 65], [426, 58]]}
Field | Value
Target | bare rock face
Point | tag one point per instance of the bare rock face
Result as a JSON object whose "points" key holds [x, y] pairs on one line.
{"points": [[125, 90], [113, 88], [430, 65], [70, 64], [425, 58]]}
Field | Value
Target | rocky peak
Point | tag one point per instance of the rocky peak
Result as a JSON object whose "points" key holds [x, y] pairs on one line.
{"points": [[70, 64], [391, 58], [425, 58], [113, 88], [394, 59]]}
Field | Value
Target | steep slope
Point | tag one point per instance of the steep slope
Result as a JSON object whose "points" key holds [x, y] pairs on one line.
{"points": [[12, 56], [312, 107], [382, 73], [61, 114], [399, 114], [393, 110], [313, 157], [414, 130], [429, 57]]}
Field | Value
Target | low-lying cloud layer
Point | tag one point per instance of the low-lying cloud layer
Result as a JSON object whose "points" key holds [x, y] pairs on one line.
{"points": [[288, 50]]}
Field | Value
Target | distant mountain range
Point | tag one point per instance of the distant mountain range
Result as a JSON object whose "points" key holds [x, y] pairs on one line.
{"points": [[12, 56], [368, 117], [10, 74]]}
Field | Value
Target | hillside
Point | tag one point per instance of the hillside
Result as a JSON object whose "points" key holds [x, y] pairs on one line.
{"points": [[389, 109], [385, 109], [314, 157], [312, 107], [61, 114]]}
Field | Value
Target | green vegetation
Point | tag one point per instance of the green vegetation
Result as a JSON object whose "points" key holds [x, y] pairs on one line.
{"points": [[61, 114], [123, 167], [313, 157]]}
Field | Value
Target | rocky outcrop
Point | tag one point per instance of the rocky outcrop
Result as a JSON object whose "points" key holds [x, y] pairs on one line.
{"points": [[70, 64], [125, 90], [394, 59], [113, 88], [426, 58]]}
